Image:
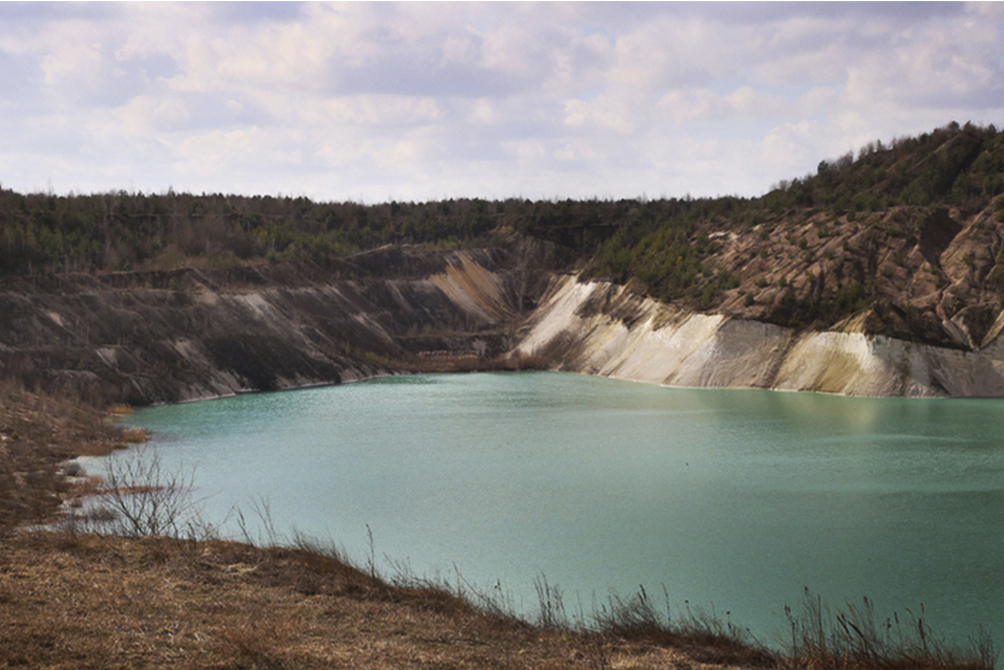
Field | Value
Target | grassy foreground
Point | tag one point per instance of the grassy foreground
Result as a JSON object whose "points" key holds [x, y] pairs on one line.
{"points": [[106, 602], [86, 600]]}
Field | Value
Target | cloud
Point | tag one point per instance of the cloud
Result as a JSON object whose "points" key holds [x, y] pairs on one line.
{"points": [[745, 103], [606, 112], [935, 65], [370, 110], [144, 114], [430, 99]]}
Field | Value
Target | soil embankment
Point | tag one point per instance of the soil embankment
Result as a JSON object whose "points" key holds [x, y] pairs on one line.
{"points": [[142, 338]]}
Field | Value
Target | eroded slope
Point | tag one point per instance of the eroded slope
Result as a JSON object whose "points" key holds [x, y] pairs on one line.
{"points": [[170, 336], [604, 329]]}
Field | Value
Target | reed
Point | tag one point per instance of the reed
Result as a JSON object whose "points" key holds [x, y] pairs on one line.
{"points": [[856, 638]]}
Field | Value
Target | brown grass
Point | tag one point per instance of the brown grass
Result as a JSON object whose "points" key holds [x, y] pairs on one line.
{"points": [[37, 433], [854, 638], [98, 601], [102, 602], [701, 636], [472, 363], [135, 435]]}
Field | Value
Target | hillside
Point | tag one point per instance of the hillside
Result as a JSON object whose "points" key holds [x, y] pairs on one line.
{"points": [[907, 239], [149, 298], [845, 237], [145, 337]]}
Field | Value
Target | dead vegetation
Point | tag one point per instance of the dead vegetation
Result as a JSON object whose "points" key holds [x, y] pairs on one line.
{"points": [[38, 433], [102, 601], [855, 638], [93, 601]]}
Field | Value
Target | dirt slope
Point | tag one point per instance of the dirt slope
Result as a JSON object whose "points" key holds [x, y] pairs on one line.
{"points": [[171, 336]]}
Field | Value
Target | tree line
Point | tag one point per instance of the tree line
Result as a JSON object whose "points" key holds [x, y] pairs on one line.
{"points": [[663, 243]]}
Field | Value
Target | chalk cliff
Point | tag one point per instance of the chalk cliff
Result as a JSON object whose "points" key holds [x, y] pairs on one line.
{"points": [[601, 328], [876, 275]]}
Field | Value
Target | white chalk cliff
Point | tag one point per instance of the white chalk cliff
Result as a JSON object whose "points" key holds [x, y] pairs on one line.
{"points": [[601, 328]]}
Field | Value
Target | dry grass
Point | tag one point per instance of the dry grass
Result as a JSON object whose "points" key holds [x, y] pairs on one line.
{"points": [[104, 602], [701, 636], [37, 433], [471, 363], [99, 601], [135, 435], [854, 638]]}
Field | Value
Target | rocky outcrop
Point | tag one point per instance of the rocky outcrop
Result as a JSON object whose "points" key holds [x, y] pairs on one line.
{"points": [[604, 329], [932, 275]]}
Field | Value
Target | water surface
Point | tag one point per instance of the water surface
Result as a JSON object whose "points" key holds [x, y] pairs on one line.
{"points": [[731, 500]]}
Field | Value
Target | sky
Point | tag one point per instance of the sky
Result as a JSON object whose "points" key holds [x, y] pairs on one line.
{"points": [[372, 102]]}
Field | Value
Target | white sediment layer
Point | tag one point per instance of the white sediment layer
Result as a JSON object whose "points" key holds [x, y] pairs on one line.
{"points": [[601, 328]]}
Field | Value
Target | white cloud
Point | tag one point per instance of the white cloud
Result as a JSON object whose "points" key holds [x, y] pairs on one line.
{"points": [[527, 150], [236, 153], [459, 49], [145, 114], [433, 100], [693, 105], [71, 61], [483, 112], [577, 151], [816, 100], [605, 112], [937, 63], [367, 110]]}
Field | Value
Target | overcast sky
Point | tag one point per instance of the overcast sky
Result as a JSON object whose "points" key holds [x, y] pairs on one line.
{"points": [[374, 102]]}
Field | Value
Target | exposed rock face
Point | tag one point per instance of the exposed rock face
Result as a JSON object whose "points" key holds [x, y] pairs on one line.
{"points": [[604, 329], [166, 337], [932, 275], [185, 334]]}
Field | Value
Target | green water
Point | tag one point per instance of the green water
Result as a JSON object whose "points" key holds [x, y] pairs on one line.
{"points": [[731, 500]]}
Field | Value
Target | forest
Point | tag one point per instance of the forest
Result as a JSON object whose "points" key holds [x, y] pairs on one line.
{"points": [[663, 244]]}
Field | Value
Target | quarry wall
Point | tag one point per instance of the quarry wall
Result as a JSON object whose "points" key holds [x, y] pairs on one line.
{"points": [[144, 338], [603, 329]]}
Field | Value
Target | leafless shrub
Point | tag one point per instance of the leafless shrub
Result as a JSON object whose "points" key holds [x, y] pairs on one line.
{"points": [[551, 612], [266, 534], [326, 548], [703, 635], [144, 498]]}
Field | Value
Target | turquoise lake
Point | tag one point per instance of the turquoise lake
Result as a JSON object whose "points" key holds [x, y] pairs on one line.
{"points": [[732, 501]]}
